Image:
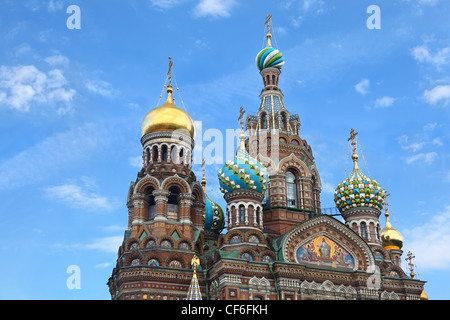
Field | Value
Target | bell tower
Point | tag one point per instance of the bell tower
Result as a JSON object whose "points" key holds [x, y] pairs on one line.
{"points": [[293, 194], [166, 207]]}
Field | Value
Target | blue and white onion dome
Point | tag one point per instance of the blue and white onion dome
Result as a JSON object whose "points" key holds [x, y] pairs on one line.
{"points": [[358, 191], [269, 57], [243, 172], [213, 216]]}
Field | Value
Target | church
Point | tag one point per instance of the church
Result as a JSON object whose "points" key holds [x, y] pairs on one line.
{"points": [[272, 241]]}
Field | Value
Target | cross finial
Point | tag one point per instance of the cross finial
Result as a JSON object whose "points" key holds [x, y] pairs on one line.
{"points": [[353, 135], [267, 24], [169, 73], [203, 170], [354, 155], [241, 117], [241, 120], [410, 263]]}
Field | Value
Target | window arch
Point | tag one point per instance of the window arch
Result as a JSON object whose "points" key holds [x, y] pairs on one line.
{"points": [[363, 230], [283, 121], [172, 203], [291, 190], [264, 121], [164, 153], [155, 154], [241, 214]]}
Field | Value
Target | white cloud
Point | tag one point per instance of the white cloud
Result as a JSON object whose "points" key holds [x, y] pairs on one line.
{"points": [[135, 162], [57, 60], [439, 58], [438, 94], [52, 154], [80, 197], [53, 6], [427, 158], [106, 244], [384, 102], [429, 240], [403, 140], [24, 86], [165, 4], [363, 86], [214, 8], [101, 87]]}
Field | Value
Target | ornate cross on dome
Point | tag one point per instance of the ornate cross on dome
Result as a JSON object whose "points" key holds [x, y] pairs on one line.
{"points": [[410, 263], [267, 23], [169, 73], [354, 155], [353, 135], [241, 117], [203, 178]]}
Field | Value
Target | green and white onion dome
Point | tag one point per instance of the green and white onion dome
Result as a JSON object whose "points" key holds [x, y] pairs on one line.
{"points": [[358, 191], [243, 172], [269, 57]]}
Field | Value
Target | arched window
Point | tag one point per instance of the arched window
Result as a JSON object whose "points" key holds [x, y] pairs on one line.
{"points": [[242, 214], [283, 121], [164, 153], [181, 160], [291, 190], [363, 231], [155, 154], [172, 203], [151, 203], [264, 121]]}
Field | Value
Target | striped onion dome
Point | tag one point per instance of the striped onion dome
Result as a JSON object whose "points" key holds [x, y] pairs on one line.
{"points": [[269, 57]]}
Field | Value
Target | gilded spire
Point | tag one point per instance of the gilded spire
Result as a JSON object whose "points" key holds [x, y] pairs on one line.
{"points": [[169, 86], [268, 34], [203, 170], [354, 155], [242, 135], [194, 292]]}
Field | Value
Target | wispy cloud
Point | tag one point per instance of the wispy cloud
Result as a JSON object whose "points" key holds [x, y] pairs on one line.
{"points": [[81, 196], [363, 86], [51, 155], [438, 95], [165, 4], [436, 232], [214, 8], [22, 87], [438, 58], [101, 87], [106, 244], [428, 158]]}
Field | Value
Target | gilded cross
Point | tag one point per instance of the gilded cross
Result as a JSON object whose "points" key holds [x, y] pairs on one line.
{"points": [[352, 137], [410, 263], [267, 23], [241, 117], [169, 73], [203, 166]]}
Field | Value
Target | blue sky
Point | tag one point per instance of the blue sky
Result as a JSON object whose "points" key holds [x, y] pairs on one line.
{"points": [[71, 103]]}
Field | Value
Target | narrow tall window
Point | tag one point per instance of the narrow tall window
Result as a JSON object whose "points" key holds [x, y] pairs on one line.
{"points": [[291, 190], [363, 231], [264, 122], [164, 153], [242, 214]]}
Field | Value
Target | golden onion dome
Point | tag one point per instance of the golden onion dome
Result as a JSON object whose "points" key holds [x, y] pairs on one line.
{"points": [[168, 117], [390, 237]]}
